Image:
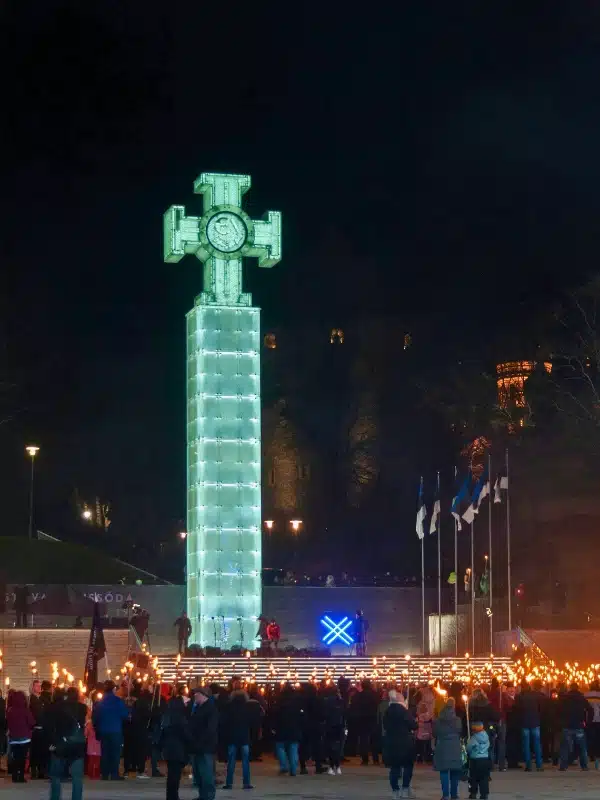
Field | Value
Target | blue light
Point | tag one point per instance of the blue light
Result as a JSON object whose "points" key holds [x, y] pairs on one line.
{"points": [[337, 630]]}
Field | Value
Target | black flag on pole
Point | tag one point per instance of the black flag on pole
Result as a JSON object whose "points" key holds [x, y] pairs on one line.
{"points": [[96, 650]]}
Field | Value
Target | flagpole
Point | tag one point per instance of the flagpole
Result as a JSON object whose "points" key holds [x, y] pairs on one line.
{"points": [[508, 560], [490, 562], [423, 589], [439, 544], [455, 586], [472, 592]]}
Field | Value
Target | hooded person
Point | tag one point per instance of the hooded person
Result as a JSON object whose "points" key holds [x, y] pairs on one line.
{"points": [[478, 749], [447, 757], [20, 722]]}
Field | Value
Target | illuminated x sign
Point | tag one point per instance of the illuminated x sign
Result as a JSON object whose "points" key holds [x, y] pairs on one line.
{"points": [[337, 630]]}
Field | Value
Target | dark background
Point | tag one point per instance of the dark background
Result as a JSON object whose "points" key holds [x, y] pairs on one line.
{"points": [[436, 165]]}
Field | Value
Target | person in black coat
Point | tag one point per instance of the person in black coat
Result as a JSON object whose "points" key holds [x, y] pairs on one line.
{"points": [[175, 742], [575, 715], [363, 709], [140, 730], [334, 718], [204, 724], [528, 707], [399, 743], [64, 725], [39, 700], [158, 708], [311, 743], [237, 732], [287, 729], [481, 710]]}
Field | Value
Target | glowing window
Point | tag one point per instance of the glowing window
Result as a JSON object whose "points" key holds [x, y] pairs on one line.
{"points": [[336, 336]]}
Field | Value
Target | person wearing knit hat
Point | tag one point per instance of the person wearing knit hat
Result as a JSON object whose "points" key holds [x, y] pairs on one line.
{"points": [[478, 748]]}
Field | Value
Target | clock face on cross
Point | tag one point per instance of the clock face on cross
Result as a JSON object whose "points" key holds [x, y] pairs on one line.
{"points": [[226, 232]]}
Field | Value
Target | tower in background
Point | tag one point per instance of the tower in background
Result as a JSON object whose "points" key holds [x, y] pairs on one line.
{"points": [[223, 410]]}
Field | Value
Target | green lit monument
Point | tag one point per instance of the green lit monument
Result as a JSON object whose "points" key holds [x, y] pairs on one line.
{"points": [[223, 410]]}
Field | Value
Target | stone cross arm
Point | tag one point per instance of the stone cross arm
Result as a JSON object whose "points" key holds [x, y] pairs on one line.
{"points": [[185, 235]]}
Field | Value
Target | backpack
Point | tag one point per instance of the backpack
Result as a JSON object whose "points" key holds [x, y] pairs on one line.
{"points": [[73, 744]]}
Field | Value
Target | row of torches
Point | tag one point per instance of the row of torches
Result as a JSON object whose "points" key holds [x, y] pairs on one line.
{"points": [[533, 666]]}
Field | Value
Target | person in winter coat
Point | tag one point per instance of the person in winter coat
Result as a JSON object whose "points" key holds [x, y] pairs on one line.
{"points": [[363, 709], [204, 723], [424, 732], [158, 708], [528, 708], [184, 631], [93, 751], [575, 714], [237, 733], [478, 749], [334, 730], [399, 744], [108, 717], [20, 722], [447, 757], [287, 730], [64, 720], [39, 700], [482, 710], [593, 732], [311, 744], [175, 742]]}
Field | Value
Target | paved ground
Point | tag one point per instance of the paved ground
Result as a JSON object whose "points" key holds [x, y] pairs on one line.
{"points": [[357, 783]]}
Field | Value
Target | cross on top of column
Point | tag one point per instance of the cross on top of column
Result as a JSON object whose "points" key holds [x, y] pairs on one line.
{"points": [[222, 236]]}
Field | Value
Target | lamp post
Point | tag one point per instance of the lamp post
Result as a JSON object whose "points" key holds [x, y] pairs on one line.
{"points": [[32, 450]]}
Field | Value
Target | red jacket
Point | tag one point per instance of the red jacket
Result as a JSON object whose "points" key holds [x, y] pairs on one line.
{"points": [[273, 632], [19, 719]]}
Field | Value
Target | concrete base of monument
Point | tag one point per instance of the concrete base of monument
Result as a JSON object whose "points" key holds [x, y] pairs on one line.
{"points": [[294, 668], [67, 646]]}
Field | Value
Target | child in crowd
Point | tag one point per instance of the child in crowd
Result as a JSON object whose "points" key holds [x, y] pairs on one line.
{"points": [[424, 732], [478, 750], [93, 749]]}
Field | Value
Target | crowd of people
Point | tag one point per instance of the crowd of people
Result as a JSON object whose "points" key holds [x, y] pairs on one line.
{"points": [[59, 732], [289, 577]]}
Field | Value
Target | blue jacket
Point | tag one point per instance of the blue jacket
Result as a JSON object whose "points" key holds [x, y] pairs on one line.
{"points": [[109, 715], [478, 745]]}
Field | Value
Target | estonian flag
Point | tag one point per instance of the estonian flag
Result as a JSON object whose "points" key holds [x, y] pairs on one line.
{"points": [[461, 496], [421, 513], [501, 483], [482, 489]]}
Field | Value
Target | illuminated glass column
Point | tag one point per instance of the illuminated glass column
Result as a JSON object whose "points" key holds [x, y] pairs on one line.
{"points": [[223, 411]]}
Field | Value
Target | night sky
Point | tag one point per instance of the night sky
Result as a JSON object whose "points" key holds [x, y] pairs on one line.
{"points": [[438, 163]]}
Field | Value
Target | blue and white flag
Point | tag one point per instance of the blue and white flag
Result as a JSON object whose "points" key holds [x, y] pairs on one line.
{"points": [[481, 491], [458, 501], [421, 512], [437, 508]]}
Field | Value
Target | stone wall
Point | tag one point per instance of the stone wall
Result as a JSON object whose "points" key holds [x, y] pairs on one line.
{"points": [[394, 615], [21, 646]]}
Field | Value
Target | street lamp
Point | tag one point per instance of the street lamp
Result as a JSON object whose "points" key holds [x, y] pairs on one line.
{"points": [[296, 524], [32, 450], [182, 534], [269, 524], [86, 514]]}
